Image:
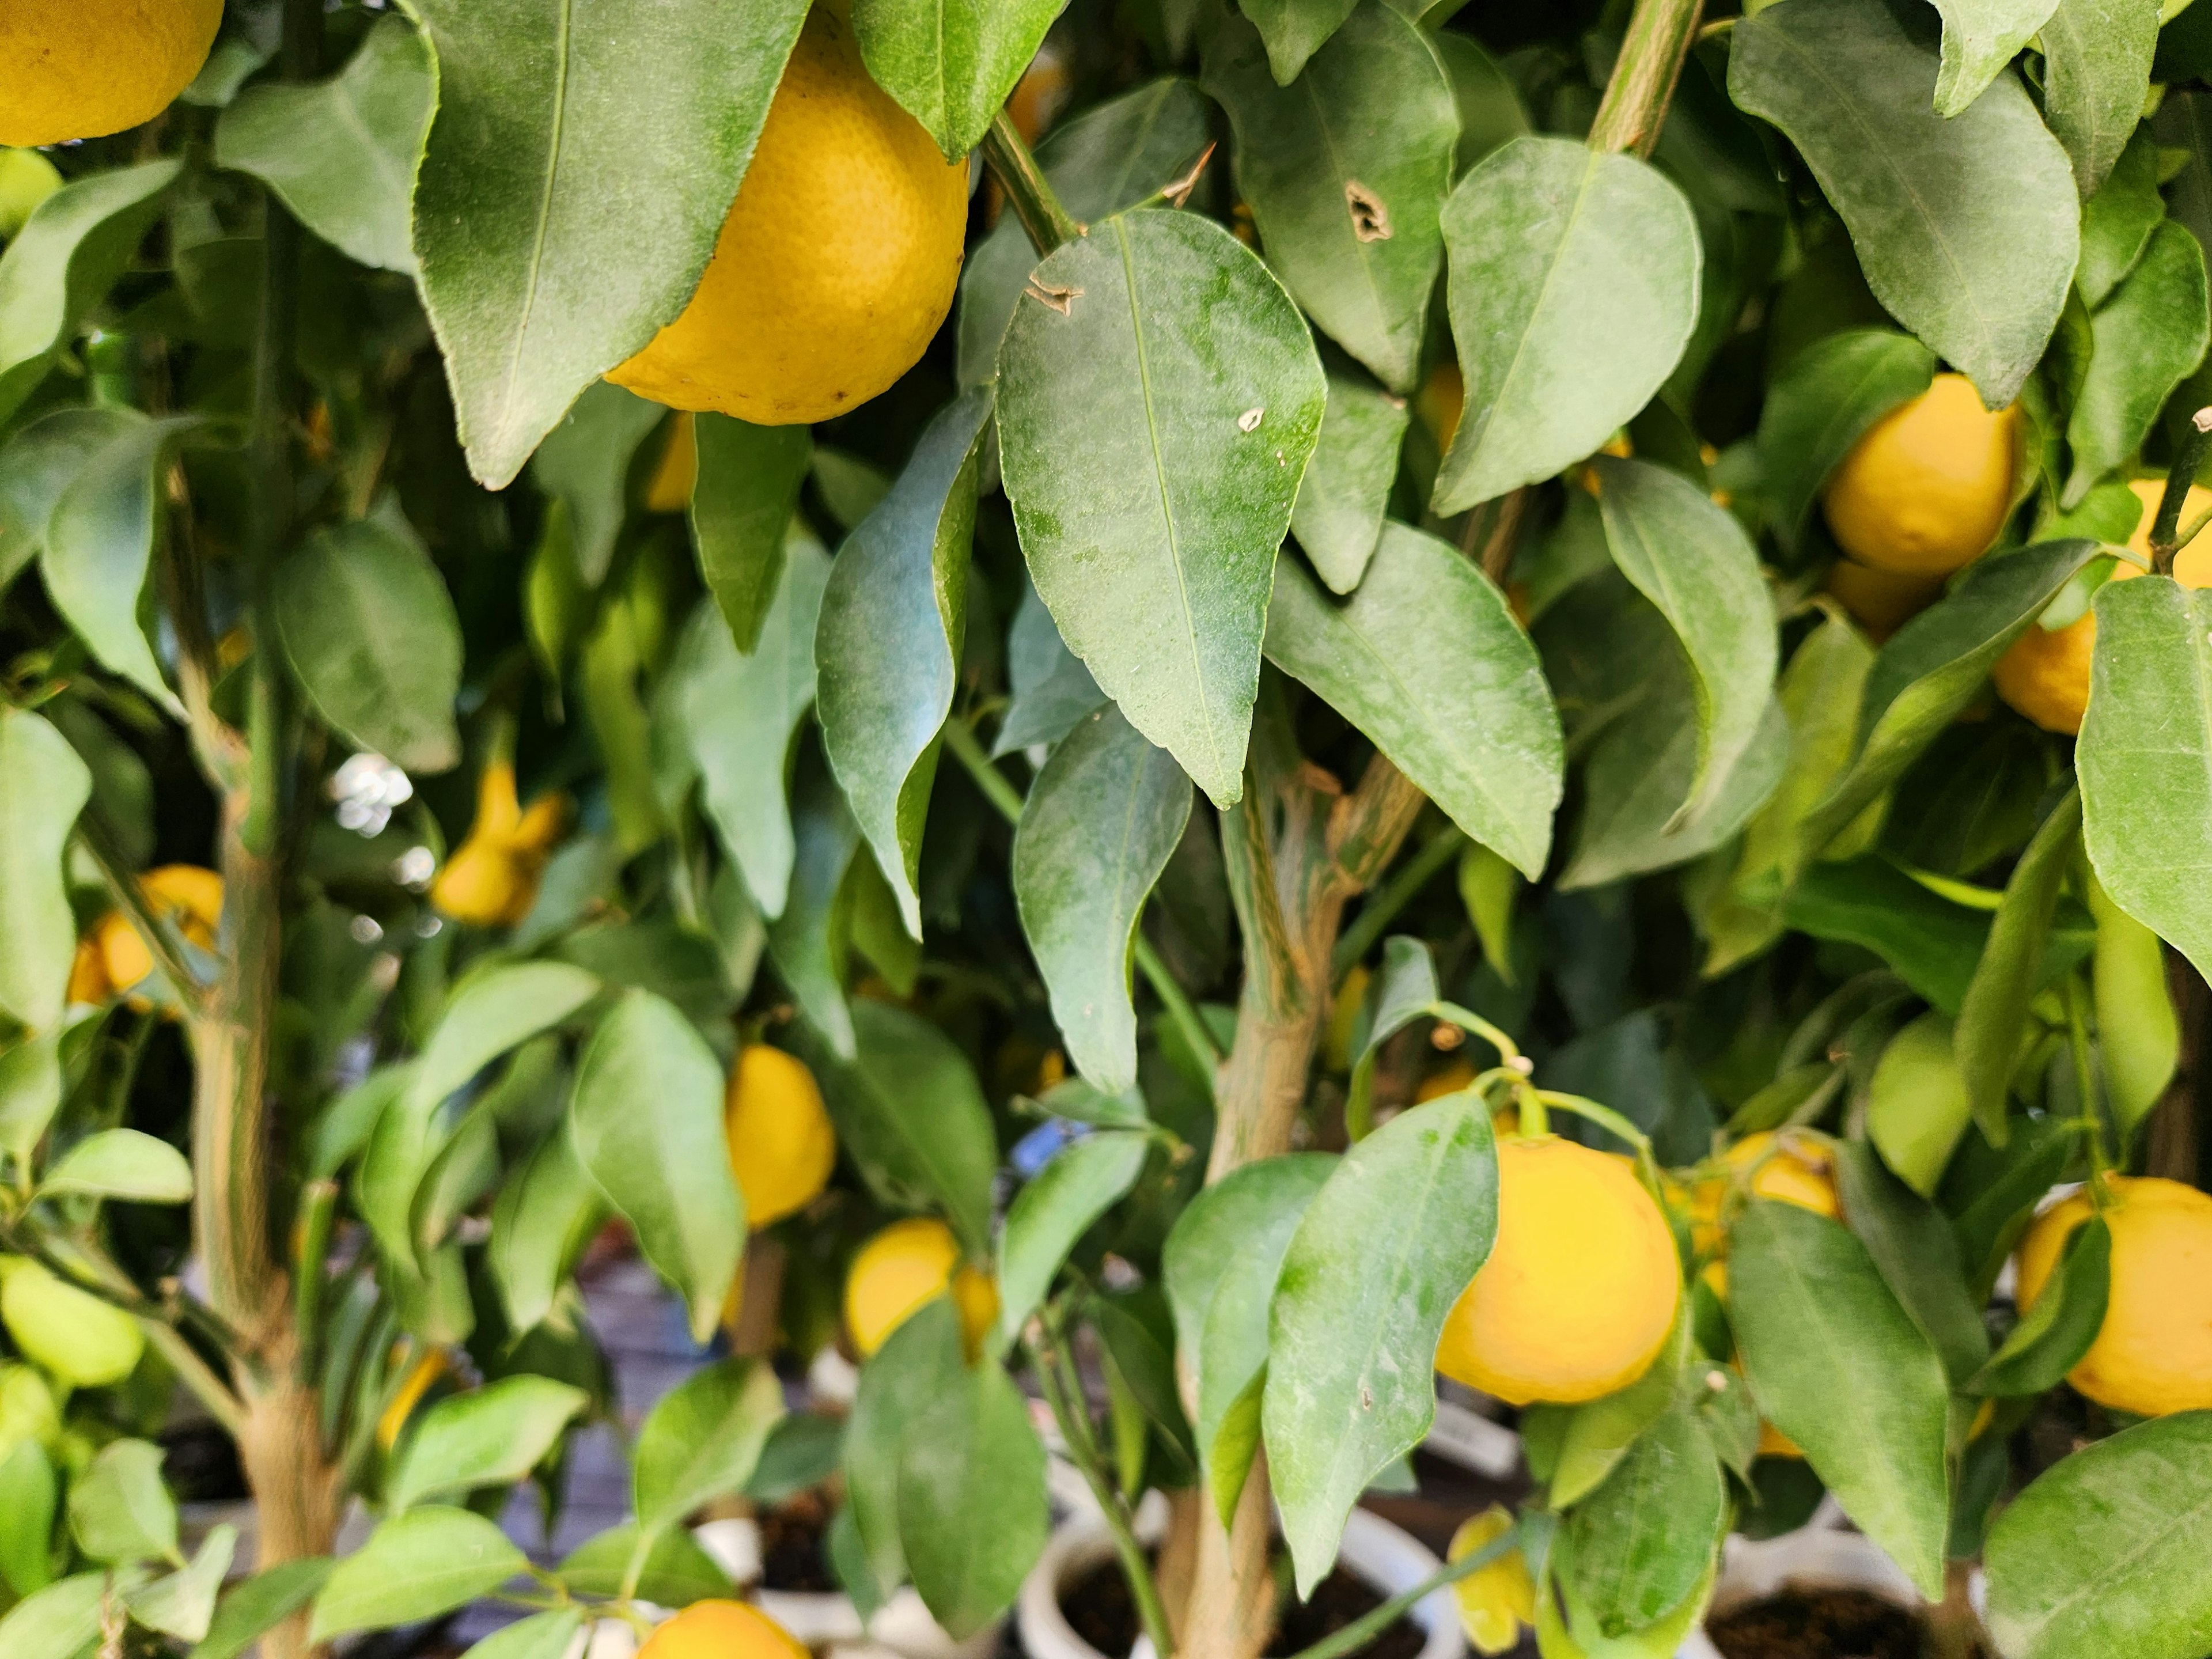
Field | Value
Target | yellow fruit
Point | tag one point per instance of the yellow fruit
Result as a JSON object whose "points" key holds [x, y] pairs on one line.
{"points": [[1927, 489], [421, 1376], [1041, 94], [1449, 1078], [2153, 1354], [838, 260], [87, 982], [187, 897], [1496, 1600], [1881, 601], [907, 1265], [1796, 1173], [1439, 401], [75, 1336], [1581, 1286], [781, 1146], [1772, 1443], [80, 69], [722, 1630], [676, 474], [491, 879]]}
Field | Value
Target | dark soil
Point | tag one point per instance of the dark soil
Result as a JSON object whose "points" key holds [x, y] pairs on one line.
{"points": [[792, 1537], [1818, 1624], [1100, 1610]]}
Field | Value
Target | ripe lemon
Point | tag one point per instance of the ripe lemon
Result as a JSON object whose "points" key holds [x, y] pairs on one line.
{"points": [[491, 879], [722, 1630], [75, 1336], [2045, 675], [1927, 489], [908, 1264], [838, 260], [1580, 1289], [1796, 1173], [80, 69], [187, 897], [781, 1146], [1881, 601], [2153, 1354], [1496, 1600]]}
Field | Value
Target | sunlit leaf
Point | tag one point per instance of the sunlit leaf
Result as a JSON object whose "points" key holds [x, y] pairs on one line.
{"points": [[952, 63], [48, 784]]}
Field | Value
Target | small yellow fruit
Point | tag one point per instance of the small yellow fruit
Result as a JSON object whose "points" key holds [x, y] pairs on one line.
{"points": [[88, 983], [1927, 489], [2153, 1354], [1494, 1601], [907, 1265], [187, 897], [1581, 1286], [722, 1630], [75, 1336], [421, 1376], [1439, 401], [1796, 1173], [1449, 1078], [782, 1144], [676, 474], [80, 69], [1881, 601], [838, 260], [491, 879]]}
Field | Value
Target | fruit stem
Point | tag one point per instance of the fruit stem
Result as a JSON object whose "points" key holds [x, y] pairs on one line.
{"points": [[1048, 222], [2188, 458], [1403, 887], [2085, 1083], [1644, 75]]}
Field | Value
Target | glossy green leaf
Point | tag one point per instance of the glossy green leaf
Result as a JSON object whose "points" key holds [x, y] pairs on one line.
{"points": [[492, 1437], [2145, 758], [498, 1009], [1966, 225], [1427, 660], [36, 465], [61, 264], [2096, 76], [372, 636], [549, 1635], [119, 1510], [182, 1604], [1099, 827], [1295, 29], [1383, 1250], [120, 1164], [1993, 1018], [60, 1619], [1916, 1104], [2104, 1552], [2150, 336], [48, 785], [741, 713], [1160, 396], [546, 1213], [1052, 1212], [1821, 402], [2117, 222], [1346, 170], [1912, 1244], [1052, 689], [887, 647], [1598, 1435], [2138, 1032], [584, 463], [1338, 517], [1640, 1543], [951, 63], [340, 154], [259, 1603], [571, 187], [1490, 111], [676, 1571], [909, 1112], [1566, 1629], [1979, 39], [666, 1170], [1837, 1365], [740, 511], [30, 1497], [414, 1566], [702, 1441], [2051, 1336], [807, 942], [1574, 289]]}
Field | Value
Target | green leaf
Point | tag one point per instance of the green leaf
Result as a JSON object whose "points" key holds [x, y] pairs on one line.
{"points": [[546, 1213], [741, 508], [676, 1571], [1384, 1249], [1491, 111], [30, 1497], [1295, 29], [38, 463], [500, 1008], [572, 188], [909, 1112], [703, 1441], [1152, 435], [1936, 665], [2051, 1337], [1099, 827], [1642, 1541], [2145, 758], [1083, 1180], [1426, 660], [1052, 689], [1912, 1242], [2096, 78], [806, 942], [61, 1620], [1102, 161], [1837, 1365], [741, 713], [584, 463], [1933, 943], [1221, 1265], [2117, 222], [63, 261], [2138, 1033], [1692, 560], [1916, 1102], [414, 1566], [1574, 289], [493, 1437], [119, 1510], [48, 785], [1346, 170], [887, 647], [542, 1635], [1338, 517], [376, 642], [263, 1601], [1979, 39], [2104, 1552], [2150, 336], [182, 1605], [1966, 226], [1993, 1018], [340, 154], [1598, 1435], [951, 63], [1822, 403], [666, 1169], [123, 1163]]}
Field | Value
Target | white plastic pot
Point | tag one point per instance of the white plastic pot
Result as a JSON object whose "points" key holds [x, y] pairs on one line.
{"points": [[1381, 1555], [1822, 1554], [825, 1619]]}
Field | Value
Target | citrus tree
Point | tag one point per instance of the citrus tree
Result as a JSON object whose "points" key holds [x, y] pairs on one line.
{"points": [[1507, 692]]}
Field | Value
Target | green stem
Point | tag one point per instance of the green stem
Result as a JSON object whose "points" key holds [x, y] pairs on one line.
{"points": [[1027, 191], [318, 1204], [1644, 75], [1362, 1630], [998, 788], [1392, 897], [2189, 457], [2092, 1122], [162, 941]]}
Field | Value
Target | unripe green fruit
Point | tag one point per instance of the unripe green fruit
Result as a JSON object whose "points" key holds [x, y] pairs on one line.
{"points": [[1917, 1107], [26, 179], [76, 1338]]}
